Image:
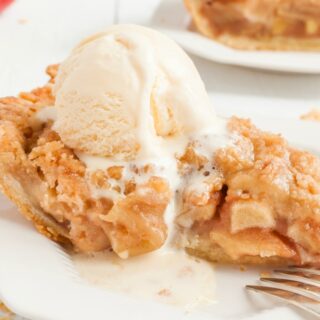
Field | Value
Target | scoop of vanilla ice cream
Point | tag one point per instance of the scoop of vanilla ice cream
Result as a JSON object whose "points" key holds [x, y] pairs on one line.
{"points": [[127, 91]]}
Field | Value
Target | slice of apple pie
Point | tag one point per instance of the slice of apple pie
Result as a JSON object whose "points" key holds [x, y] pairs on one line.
{"points": [[257, 201], [121, 150], [259, 24]]}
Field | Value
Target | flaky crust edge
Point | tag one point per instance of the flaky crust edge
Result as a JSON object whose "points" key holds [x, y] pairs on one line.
{"points": [[12, 189]]}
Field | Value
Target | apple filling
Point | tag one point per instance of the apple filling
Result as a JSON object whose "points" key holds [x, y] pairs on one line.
{"points": [[260, 201]]}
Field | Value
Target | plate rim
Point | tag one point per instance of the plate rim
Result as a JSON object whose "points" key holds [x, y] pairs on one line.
{"points": [[183, 36]]}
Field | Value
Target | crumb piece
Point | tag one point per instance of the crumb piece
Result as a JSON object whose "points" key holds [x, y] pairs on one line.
{"points": [[185, 272], [164, 293], [243, 268], [99, 179], [115, 172], [22, 21], [313, 115], [265, 274]]}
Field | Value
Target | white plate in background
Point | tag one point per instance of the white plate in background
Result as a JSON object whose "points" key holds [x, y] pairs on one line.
{"points": [[38, 280], [172, 18]]}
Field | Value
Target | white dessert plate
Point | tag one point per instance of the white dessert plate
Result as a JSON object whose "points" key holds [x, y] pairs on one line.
{"points": [[39, 282], [172, 18]]}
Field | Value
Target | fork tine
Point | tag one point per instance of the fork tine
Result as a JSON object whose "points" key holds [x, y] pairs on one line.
{"points": [[293, 298], [300, 276], [296, 290], [302, 269], [283, 294], [310, 288], [301, 273]]}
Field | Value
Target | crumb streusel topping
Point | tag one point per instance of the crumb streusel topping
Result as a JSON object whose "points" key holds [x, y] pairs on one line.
{"points": [[257, 197]]}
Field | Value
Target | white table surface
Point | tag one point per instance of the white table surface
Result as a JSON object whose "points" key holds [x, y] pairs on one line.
{"points": [[35, 33]]}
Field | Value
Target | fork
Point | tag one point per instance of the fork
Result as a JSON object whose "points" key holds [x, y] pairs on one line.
{"points": [[296, 286]]}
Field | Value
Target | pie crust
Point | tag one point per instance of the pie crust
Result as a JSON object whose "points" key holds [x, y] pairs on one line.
{"points": [[259, 24]]}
